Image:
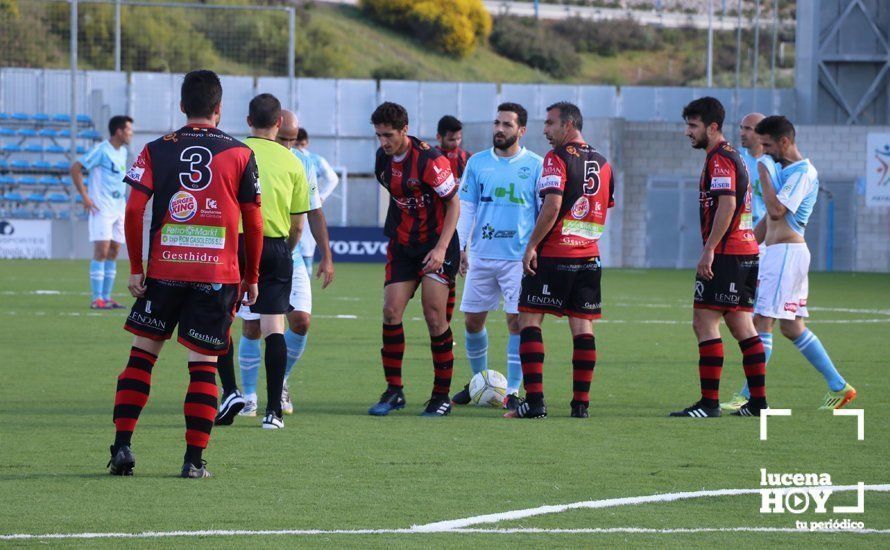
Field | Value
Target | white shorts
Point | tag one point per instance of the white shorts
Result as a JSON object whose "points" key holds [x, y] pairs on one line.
{"points": [[300, 294], [488, 281], [104, 227], [783, 282]]}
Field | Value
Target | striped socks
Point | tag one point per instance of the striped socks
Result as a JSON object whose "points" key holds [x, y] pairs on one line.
{"points": [[199, 408], [754, 363], [391, 354], [133, 386], [531, 354], [442, 347], [583, 363], [710, 367]]}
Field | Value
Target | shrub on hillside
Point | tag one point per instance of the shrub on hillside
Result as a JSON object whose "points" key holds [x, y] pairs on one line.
{"points": [[523, 41], [454, 28], [608, 37]]}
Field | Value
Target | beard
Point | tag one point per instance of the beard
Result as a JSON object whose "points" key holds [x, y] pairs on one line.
{"points": [[700, 143], [502, 142]]}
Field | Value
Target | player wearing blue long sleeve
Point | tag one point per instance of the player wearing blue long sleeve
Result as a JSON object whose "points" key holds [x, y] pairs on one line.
{"points": [[783, 282], [498, 206]]}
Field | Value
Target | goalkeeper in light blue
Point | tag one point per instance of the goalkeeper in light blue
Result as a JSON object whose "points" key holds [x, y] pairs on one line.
{"points": [[783, 284], [498, 208]]}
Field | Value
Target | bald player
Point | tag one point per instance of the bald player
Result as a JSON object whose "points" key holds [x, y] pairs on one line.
{"points": [[753, 155]]}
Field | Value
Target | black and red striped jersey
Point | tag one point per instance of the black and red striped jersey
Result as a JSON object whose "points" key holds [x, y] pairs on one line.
{"points": [[419, 183], [198, 176], [458, 158], [725, 173], [583, 177]]}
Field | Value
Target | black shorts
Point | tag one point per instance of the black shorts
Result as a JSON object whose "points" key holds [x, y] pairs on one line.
{"points": [[203, 311], [276, 276], [564, 286], [405, 263], [732, 287]]}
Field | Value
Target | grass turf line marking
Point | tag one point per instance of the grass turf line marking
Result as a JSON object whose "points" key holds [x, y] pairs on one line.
{"points": [[465, 525], [449, 525]]}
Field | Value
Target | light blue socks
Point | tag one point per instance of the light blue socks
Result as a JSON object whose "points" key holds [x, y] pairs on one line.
{"points": [[97, 275], [249, 361], [477, 350], [108, 280], [296, 344], [514, 365], [811, 348]]}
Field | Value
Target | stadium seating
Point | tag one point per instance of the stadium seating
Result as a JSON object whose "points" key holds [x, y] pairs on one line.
{"points": [[34, 161]]}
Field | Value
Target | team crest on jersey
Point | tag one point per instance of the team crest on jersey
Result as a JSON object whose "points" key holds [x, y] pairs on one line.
{"points": [[183, 206], [524, 173], [424, 145], [572, 151], [171, 137], [581, 208]]}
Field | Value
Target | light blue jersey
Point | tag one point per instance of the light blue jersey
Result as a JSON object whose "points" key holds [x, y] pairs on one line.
{"points": [[106, 187], [314, 198], [758, 207], [503, 190], [798, 193]]}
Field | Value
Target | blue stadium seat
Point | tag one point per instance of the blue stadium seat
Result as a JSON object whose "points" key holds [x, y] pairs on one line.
{"points": [[41, 165], [36, 197], [57, 197], [84, 119], [4, 164], [12, 148], [27, 132], [47, 132], [7, 180], [78, 199], [13, 196], [4, 116], [61, 117], [20, 164], [27, 180], [63, 215], [48, 180], [40, 117], [81, 150], [33, 148], [89, 134], [64, 133], [66, 181], [7, 132], [21, 117], [54, 149], [60, 165]]}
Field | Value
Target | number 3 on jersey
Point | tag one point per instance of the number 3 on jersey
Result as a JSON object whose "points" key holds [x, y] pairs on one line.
{"points": [[199, 174], [591, 177]]}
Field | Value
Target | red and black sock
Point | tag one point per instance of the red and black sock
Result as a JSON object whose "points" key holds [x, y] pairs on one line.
{"points": [[452, 297], [583, 363], [133, 387], [754, 363], [442, 347], [392, 352], [710, 367], [531, 354], [199, 408]]}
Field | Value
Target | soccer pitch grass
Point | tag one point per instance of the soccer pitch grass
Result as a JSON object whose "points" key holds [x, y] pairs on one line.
{"points": [[335, 468]]}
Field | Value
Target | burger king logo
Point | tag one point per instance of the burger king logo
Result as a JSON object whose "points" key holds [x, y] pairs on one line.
{"points": [[183, 206], [581, 208]]}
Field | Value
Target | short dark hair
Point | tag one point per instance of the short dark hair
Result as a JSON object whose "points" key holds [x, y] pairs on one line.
{"points": [[521, 113], [264, 111], [390, 113], [200, 94], [302, 134], [708, 109], [118, 122], [776, 127], [568, 112], [447, 124]]}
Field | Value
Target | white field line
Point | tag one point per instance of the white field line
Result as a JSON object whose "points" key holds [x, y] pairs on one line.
{"points": [[464, 526], [608, 503]]}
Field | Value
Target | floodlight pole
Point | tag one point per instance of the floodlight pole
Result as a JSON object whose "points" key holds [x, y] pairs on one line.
{"points": [[291, 55], [738, 48], [772, 70], [73, 113], [710, 43], [117, 35]]}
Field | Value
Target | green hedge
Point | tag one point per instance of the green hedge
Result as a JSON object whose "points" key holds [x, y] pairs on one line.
{"points": [[527, 42]]}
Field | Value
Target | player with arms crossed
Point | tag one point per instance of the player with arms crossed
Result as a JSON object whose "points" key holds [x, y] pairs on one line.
{"points": [[561, 260], [104, 199], [202, 182], [498, 203], [726, 275], [784, 283], [423, 251]]}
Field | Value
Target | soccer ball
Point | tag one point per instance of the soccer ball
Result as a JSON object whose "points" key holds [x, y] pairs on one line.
{"points": [[488, 389]]}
